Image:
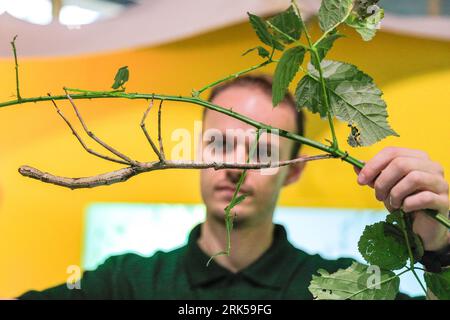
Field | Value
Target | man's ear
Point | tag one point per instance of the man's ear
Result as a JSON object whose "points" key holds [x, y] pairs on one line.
{"points": [[294, 172]]}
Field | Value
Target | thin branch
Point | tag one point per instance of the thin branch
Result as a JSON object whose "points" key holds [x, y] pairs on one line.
{"points": [[147, 135], [94, 137], [13, 44], [78, 183], [161, 148], [128, 172], [315, 55], [75, 133], [196, 93]]}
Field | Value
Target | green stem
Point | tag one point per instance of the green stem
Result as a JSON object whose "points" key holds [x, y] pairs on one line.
{"points": [[13, 44], [315, 55], [196, 93], [411, 256], [325, 97], [438, 217]]}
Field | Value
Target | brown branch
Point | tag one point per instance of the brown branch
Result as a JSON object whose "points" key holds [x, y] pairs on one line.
{"points": [[147, 135], [161, 149], [95, 138], [78, 183], [128, 172], [83, 144]]}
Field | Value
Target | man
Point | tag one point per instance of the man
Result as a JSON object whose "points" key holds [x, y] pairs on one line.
{"points": [[262, 263]]}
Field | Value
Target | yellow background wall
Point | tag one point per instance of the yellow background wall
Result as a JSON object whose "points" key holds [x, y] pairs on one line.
{"points": [[41, 226]]}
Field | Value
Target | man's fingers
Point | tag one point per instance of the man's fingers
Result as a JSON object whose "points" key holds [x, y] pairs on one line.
{"points": [[412, 183], [399, 168], [426, 200], [375, 165]]}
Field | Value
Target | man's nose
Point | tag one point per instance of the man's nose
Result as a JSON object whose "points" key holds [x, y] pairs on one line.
{"points": [[233, 175]]}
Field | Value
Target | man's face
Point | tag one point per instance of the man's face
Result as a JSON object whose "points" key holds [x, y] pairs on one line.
{"points": [[217, 186]]}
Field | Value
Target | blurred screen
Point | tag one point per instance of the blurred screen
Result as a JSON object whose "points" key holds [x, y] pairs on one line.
{"points": [[112, 229]]}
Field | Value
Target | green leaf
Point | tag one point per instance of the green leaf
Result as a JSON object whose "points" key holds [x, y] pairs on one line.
{"points": [[235, 201], [357, 282], [353, 97], [416, 243], [326, 43], [285, 71], [368, 26], [394, 217], [262, 52], [333, 12], [323, 46], [308, 94], [364, 8], [416, 246], [381, 245], [260, 27], [439, 283], [289, 23], [121, 78]]}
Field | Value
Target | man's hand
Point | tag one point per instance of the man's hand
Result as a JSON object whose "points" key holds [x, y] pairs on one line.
{"points": [[409, 179]]}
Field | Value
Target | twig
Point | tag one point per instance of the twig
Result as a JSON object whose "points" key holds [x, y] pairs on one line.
{"points": [[13, 44], [128, 172], [95, 138], [75, 133], [196, 93], [147, 135], [161, 148]]}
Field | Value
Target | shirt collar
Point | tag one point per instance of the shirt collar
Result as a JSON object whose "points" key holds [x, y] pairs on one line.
{"points": [[273, 269]]}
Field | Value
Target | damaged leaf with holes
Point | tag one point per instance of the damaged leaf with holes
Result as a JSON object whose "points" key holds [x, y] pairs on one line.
{"points": [[382, 244], [354, 98], [357, 282]]}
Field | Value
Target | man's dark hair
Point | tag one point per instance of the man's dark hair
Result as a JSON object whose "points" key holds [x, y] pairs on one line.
{"points": [[263, 82]]}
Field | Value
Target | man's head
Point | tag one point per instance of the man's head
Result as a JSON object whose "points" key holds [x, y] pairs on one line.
{"points": [[252, 97]]}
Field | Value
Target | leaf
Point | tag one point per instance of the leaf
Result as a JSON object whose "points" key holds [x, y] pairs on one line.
{"points": [[326, 43], [381, 245], [308, 94], [368, 26], [285, 71], [333, 12], [262, 52], [439, 283], [235, 201], [289, 23], [416, 246], [353, 96], [416, 243], [263, 33], [357, 282], [394, 217], [121, 77], [365, 8]]}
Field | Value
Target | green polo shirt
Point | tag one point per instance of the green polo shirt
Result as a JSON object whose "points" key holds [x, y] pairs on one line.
{"points": [[282, 272]]}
